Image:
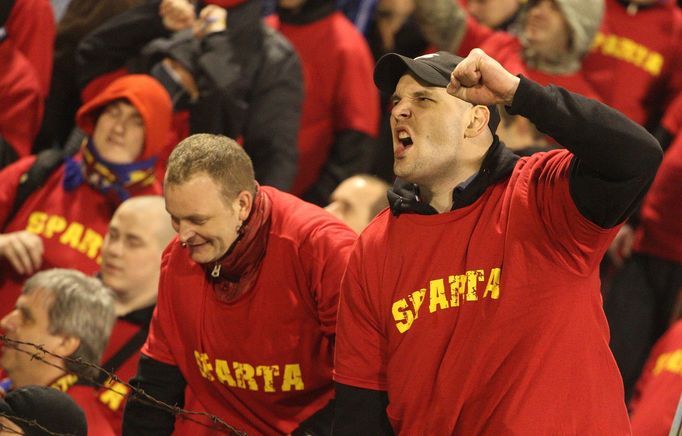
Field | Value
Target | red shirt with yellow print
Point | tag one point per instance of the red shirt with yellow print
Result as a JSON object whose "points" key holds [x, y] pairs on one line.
{"points": [[658, 390], [485, 320], [86, 398], [263, 362], [71, 224], [635, 59]]}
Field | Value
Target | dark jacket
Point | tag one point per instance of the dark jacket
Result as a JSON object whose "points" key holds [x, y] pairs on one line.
{"points": [[249, 79]]}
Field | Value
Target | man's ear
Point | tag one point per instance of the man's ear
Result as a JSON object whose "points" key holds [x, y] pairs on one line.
{"points": [[67, 345], [478, 121], [245, 199]]}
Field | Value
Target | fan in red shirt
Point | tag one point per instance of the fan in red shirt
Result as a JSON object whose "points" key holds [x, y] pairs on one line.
{"points": [[550, 41], [63, 221], [131, 259], [70, 315], [246, 311], [340, 115], [473, 306], [635, 63]]}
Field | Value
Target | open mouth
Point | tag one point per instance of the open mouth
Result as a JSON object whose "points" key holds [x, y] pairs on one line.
{"points": [[404, 138]]}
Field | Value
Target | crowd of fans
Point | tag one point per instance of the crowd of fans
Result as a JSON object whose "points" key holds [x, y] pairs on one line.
{"points": [[96, 95]]}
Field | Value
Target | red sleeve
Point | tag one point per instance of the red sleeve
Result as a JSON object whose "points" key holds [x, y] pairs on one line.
{"points": [[330, 246], [157, 346], [20, 98], [31, 26], [357, 99], [543, 185], [360, 358]]}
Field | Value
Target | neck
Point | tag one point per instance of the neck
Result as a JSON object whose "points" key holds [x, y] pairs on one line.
{"points": [[124, 303], [42, 376], [439, 196]]}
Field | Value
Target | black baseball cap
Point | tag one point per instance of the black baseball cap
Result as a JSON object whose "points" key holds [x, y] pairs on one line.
{"points": [[433, 69]]}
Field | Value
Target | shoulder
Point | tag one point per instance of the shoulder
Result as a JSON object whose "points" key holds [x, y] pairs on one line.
{"points": [[276, 47], [378, 230], [16, 169], [544, 164], [299, 221]]}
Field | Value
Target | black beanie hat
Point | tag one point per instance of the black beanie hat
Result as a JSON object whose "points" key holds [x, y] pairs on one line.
{"points": [[48, 407]]}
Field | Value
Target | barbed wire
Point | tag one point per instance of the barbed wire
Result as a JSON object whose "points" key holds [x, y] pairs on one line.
{"points": [[140, 395], [30, 423]]}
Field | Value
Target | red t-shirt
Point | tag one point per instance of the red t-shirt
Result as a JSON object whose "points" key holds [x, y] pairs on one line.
{"points": [[263, 362], [634, 56], [112, 400], [658, 233], [339, 91], [658, 390], [86, 397], [71, 225], [486, 320]]}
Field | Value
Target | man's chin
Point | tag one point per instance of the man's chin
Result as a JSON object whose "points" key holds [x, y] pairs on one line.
{"points": [[203, 256]]}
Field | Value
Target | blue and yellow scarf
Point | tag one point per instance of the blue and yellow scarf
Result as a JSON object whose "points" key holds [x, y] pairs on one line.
{"points": [[116, 180]]}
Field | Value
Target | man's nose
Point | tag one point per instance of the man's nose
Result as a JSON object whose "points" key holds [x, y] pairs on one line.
{"points": [[185, 232], [401, 110], [7, 323]]}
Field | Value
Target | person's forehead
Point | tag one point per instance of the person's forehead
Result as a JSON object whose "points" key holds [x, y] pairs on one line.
{"points": [[125, 106], [135, 222], [37, 300], [187, 193]]}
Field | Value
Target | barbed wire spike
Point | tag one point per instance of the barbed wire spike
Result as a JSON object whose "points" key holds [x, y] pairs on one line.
{"points": [[139, 394]]}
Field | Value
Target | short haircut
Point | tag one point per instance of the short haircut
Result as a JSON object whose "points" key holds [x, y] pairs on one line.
{"points": [[220, 157], [81, 307]]}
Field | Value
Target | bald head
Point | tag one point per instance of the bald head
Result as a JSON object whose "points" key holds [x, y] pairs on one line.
{"points": [[357, 200], [151, 214], [131, 255]]}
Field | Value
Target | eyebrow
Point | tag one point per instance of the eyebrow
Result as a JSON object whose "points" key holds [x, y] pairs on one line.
{"points": [[134, 237], [189, 217], [26, 313], [417, 94]]}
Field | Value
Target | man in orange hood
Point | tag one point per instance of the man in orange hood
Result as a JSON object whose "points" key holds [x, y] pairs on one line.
{"points": [[62, 223]]}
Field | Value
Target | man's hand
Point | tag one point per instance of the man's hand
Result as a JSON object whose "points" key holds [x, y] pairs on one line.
{"points": [[480, 79], [212, 19], [621, 246], [24, 250], [186, 79], [177, 14]]}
